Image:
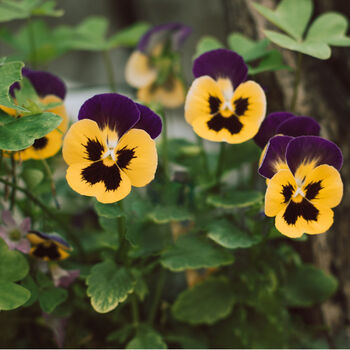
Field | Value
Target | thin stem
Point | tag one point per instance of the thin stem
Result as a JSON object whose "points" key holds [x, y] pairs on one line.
{"points": [[165, 154], [109, 70], [49, 213], [157, 297], [31, 36], [14, 182], [123, 243], [134, 310], [52, 183], [221, 162], [203, 155], [296, 83]]}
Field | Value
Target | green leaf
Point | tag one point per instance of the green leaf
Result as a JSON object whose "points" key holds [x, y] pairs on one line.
{"points": [[12, 295], [194, 252], [312, 48], [146, 338], [229, 236], [329, 28], [13, 264], [206, 302], [308, 285], [32, 177], [292, 16], [235, 199], [207, 43], [9, 73], [51, 297], [249, 49], [165, 214], [128, 37], [271, 62], [109, 211], [109, 285], [47, 9], [29, 284], [141, 288], [22, 132]]}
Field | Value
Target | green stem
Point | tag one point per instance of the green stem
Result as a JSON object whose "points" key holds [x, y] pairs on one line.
{"points": [[109, 70], [31, 37], [49, 213], [165, 154], [296, 83], [52, 183], [14, 182], [123, 243], [221, 162], [157, 297], [203, 155], [134, 310]]}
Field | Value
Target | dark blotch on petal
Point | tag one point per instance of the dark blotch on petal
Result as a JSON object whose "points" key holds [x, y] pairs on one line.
{"points": [[98, 172], [124, 157], [287, 192], [40, 143], [44, 250], [94, 149], [303, 209], [241, 106], [214, 104], [312, 189], [232, 124]]}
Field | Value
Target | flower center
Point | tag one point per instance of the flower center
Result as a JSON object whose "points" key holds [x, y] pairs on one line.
{"points": [[15, 235], [299, 194], [110, 153]]}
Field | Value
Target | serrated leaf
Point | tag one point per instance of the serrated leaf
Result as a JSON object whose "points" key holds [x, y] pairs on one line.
{"points": [[50, 298], [229, 236], [292, 16], [22, 132], [194, 252], [128, 37], [165, 214], [235, 199], [308, 285], [271, 62], [109, 285], [312, 48], [146, 338], [110, 211], [13, 264], [249, 49], [207, 43], [12, 295], [329, 28], [206, 302]]}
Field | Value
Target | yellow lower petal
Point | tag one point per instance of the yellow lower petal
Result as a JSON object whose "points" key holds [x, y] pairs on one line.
{"points": [[59, 110]]}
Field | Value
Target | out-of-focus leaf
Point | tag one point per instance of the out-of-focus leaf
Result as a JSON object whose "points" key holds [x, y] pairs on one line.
{"points": [[12, 295], [50, 298], [146, 338], [207, 43], [109, 211], [271, 62], [165, 214], [235, 199]]}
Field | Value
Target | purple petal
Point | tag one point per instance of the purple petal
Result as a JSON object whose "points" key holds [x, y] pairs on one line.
{"points": [[67, 280], [8, 219], [25, 225], [117, 112], [275, 154], [269, 126], [299, 126], [44, 83], [221, 63], [23, 245], [149, 121], [304, 149], [175, 32]]}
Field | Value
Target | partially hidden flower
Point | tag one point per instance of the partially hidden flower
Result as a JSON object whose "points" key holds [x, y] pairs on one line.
{"points": [[154, 67], [48, 247], [221, 105], [15, 234], [285, 123], [51, 91], [304, 185], [111, 147], [61, 277], [57, 326]]}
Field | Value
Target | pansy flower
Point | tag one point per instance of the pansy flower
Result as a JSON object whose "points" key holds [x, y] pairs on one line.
{"points": [[15, 234], [304, 185], [48, 247], [61, 277], [111, 147], [221, 105], [154, 67], [50, 90]]}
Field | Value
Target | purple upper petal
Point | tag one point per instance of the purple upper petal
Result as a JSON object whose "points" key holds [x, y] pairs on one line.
{"points": [[175, 32], [221, 63], [299, 126], [116, 111], [275, 153], [44, 83], [149, 121], [269, 127], [304, 149]]}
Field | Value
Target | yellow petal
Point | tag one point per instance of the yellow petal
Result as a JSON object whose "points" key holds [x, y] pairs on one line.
{"points": [[59, 110]]}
